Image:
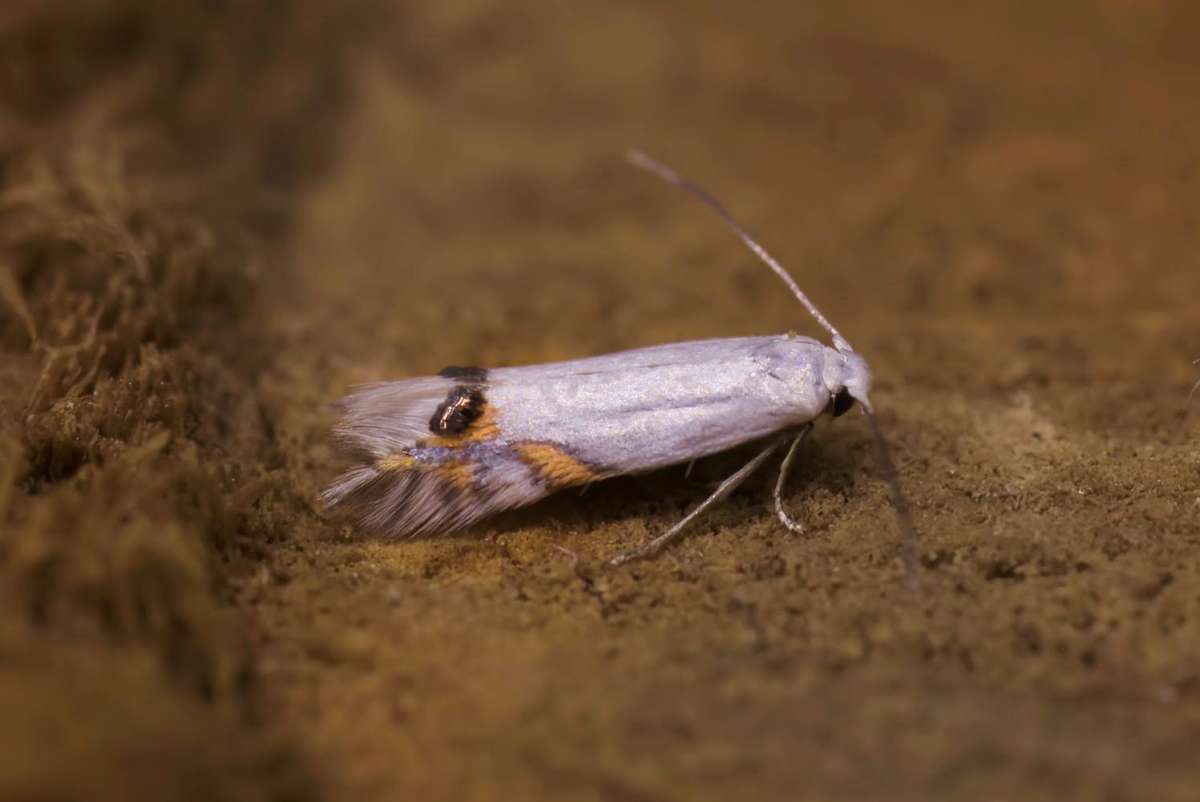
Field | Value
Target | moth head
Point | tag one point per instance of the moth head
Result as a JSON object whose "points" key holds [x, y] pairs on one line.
{"points": [[848, 379]]}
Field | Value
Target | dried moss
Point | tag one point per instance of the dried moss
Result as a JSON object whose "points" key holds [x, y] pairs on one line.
{"points": [[134, 460]]}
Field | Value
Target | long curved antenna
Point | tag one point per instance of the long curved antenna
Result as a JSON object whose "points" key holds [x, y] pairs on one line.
{"points": [[908, 532], [639, 159]]}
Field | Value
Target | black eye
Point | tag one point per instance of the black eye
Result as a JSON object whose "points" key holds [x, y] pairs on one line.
{"points": [[842, 402]]}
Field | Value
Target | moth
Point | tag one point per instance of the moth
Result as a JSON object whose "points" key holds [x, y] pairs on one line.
{"points": [[437, 453]]}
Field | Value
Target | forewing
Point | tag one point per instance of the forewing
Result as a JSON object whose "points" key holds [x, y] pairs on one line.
{"points": [[383, 419]]}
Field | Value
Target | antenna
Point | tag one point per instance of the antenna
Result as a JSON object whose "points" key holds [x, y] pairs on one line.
{"points": [[908, 532], [639, 159]]}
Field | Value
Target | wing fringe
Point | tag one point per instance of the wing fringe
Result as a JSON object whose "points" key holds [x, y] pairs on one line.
{"points": [[381, 419], [406, 503]]}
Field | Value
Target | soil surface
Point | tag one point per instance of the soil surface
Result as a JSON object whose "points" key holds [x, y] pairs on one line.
{"points": [[215, 222]]}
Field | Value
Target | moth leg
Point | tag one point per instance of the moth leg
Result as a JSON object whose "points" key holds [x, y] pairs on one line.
{"points": [[656, 545], [574, 557], [791, 523]]}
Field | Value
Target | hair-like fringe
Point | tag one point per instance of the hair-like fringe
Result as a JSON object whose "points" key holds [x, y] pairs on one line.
{"points": [[428, 499], [381, 419]]}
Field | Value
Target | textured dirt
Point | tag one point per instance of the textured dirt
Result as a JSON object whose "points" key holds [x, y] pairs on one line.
{"points": [[214, 225]]}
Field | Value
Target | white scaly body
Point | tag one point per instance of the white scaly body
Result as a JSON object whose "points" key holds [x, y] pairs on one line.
{"points": [[436, 453], [639, 410], [543, 427]]}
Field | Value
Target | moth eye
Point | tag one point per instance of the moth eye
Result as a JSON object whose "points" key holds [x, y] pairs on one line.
{"points": [[842, 402]]}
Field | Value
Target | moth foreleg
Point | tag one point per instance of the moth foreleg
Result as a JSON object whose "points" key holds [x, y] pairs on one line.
{"points": [[791, 523], [728, 486]]}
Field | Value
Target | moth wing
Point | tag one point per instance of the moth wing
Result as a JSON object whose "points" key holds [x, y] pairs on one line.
{"points": [[436, 498], [381, 419], [409, 481]]}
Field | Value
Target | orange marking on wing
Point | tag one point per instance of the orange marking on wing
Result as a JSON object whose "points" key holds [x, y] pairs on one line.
{"points": [[482, 428], [554, 465], [400, 461], [460, 472]]}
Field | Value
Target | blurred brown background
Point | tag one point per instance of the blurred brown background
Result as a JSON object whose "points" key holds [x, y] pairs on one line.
{"points": [[215, 217]]}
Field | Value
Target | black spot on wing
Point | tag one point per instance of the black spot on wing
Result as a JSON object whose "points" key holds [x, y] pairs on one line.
{"points": [[462, 407], [464, 375]]}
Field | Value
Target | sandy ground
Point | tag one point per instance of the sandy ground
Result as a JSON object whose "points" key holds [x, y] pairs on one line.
{"points": [[997, 209]]}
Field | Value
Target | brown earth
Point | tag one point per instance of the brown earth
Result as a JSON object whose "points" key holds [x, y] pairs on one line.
{"points": [[215, 219]]}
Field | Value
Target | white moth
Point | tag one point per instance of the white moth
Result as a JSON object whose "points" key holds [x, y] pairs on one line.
{"points": [[437, 453]]}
